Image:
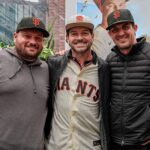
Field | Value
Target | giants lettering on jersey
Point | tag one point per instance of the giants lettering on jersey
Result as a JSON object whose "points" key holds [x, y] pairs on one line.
{"points": [[83, 88]]}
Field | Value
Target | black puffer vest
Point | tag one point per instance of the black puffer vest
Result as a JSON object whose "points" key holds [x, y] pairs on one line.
{"points": [[130, 98]]}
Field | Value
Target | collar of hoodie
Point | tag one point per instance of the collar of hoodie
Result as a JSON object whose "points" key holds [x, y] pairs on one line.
{"points": [[21, 62]]}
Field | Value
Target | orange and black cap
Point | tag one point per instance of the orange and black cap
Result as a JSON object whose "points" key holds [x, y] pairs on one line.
{"points": [[119, 16], [32, 23]]}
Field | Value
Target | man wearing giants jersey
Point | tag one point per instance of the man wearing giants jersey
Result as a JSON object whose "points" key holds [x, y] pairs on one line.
{"points": [[78, 117]]}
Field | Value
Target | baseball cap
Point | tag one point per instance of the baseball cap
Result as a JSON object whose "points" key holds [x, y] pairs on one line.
{"points": [[79, 21], [119, 16], [32, 23]]}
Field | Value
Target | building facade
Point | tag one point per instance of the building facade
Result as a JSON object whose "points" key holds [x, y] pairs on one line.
{"points": [[12, 11], [52, 12]]}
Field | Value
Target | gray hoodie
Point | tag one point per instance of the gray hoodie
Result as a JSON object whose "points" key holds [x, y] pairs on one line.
{"points": [[23, 98]]}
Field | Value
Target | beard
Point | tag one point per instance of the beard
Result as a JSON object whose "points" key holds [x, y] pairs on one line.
{"points": [[28, 52], [80, 46]]}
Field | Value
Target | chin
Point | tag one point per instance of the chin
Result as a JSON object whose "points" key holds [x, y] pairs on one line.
{"points": [[123, 46]]}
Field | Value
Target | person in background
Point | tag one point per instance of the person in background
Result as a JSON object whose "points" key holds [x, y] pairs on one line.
{"points": [[24, 81], [103, 43], [129, 64], [78, 117]]}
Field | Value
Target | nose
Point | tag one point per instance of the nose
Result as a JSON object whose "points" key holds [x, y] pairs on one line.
{"points": [[119, 5], [121, 32], [79, 37], [32, 40], [116, 6]]}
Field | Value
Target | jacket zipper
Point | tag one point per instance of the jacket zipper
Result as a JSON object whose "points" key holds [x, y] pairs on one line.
{"points": [[123, 99]]}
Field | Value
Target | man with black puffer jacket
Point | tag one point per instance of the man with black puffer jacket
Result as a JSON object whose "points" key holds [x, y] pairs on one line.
{"points": [[130, 74]]}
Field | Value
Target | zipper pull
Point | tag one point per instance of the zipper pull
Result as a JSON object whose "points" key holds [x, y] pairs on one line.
{"points": [[122, 142]]}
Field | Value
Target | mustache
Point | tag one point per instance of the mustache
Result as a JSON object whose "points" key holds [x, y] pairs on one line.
{"points": [[32, 46], [80, 41]]}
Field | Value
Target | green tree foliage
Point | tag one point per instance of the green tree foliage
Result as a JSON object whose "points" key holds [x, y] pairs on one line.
{"points": [[2, 45], [48, 49]]}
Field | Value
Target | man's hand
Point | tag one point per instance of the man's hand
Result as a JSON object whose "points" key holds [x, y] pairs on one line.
{"points": [[60, 53], [147, 142]]}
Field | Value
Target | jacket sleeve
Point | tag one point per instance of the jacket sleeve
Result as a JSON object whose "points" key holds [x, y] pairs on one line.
{"points": [[105, 77]]}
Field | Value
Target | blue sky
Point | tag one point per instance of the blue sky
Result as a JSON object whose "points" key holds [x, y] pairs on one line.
{"points": [[139, 8]]}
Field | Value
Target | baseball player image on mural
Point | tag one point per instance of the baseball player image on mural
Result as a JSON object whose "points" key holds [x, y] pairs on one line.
{"points": [[103, 43]]}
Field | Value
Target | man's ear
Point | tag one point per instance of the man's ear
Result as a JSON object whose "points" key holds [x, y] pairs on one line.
{"points": [[135, 27], [109, 33], [14, 36], [93, 36], [67, 39]]}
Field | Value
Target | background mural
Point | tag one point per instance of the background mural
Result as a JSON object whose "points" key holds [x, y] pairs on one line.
{"points": [[139, 8]]}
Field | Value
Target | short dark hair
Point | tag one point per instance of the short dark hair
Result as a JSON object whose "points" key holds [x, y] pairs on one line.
{"points": [[102, 1]]}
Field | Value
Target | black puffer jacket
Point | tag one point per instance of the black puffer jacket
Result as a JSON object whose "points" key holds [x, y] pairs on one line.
{"points": [[130, 98], [56, 67]]}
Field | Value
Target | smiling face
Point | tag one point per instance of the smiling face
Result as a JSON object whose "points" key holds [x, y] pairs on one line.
{"points": [[28, 43], [111, 5], [123, 35], [80, 39]]}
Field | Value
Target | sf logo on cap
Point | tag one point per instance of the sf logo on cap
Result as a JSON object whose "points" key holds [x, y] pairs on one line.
{"points": [[116, 14], [79, 18], [36, 21]]}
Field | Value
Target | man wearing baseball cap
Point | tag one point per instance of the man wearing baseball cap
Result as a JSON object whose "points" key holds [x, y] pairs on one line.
{"points": [[130, 76], [79, 101], [24, 80], [103, 43]]}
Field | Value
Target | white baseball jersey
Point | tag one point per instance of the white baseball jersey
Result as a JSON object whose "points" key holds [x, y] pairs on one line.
{"points": [[102, 43], [76, 121]]}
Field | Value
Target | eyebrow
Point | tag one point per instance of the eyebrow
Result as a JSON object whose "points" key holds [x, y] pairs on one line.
{"points": [[77, 30], [28, 32]]}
